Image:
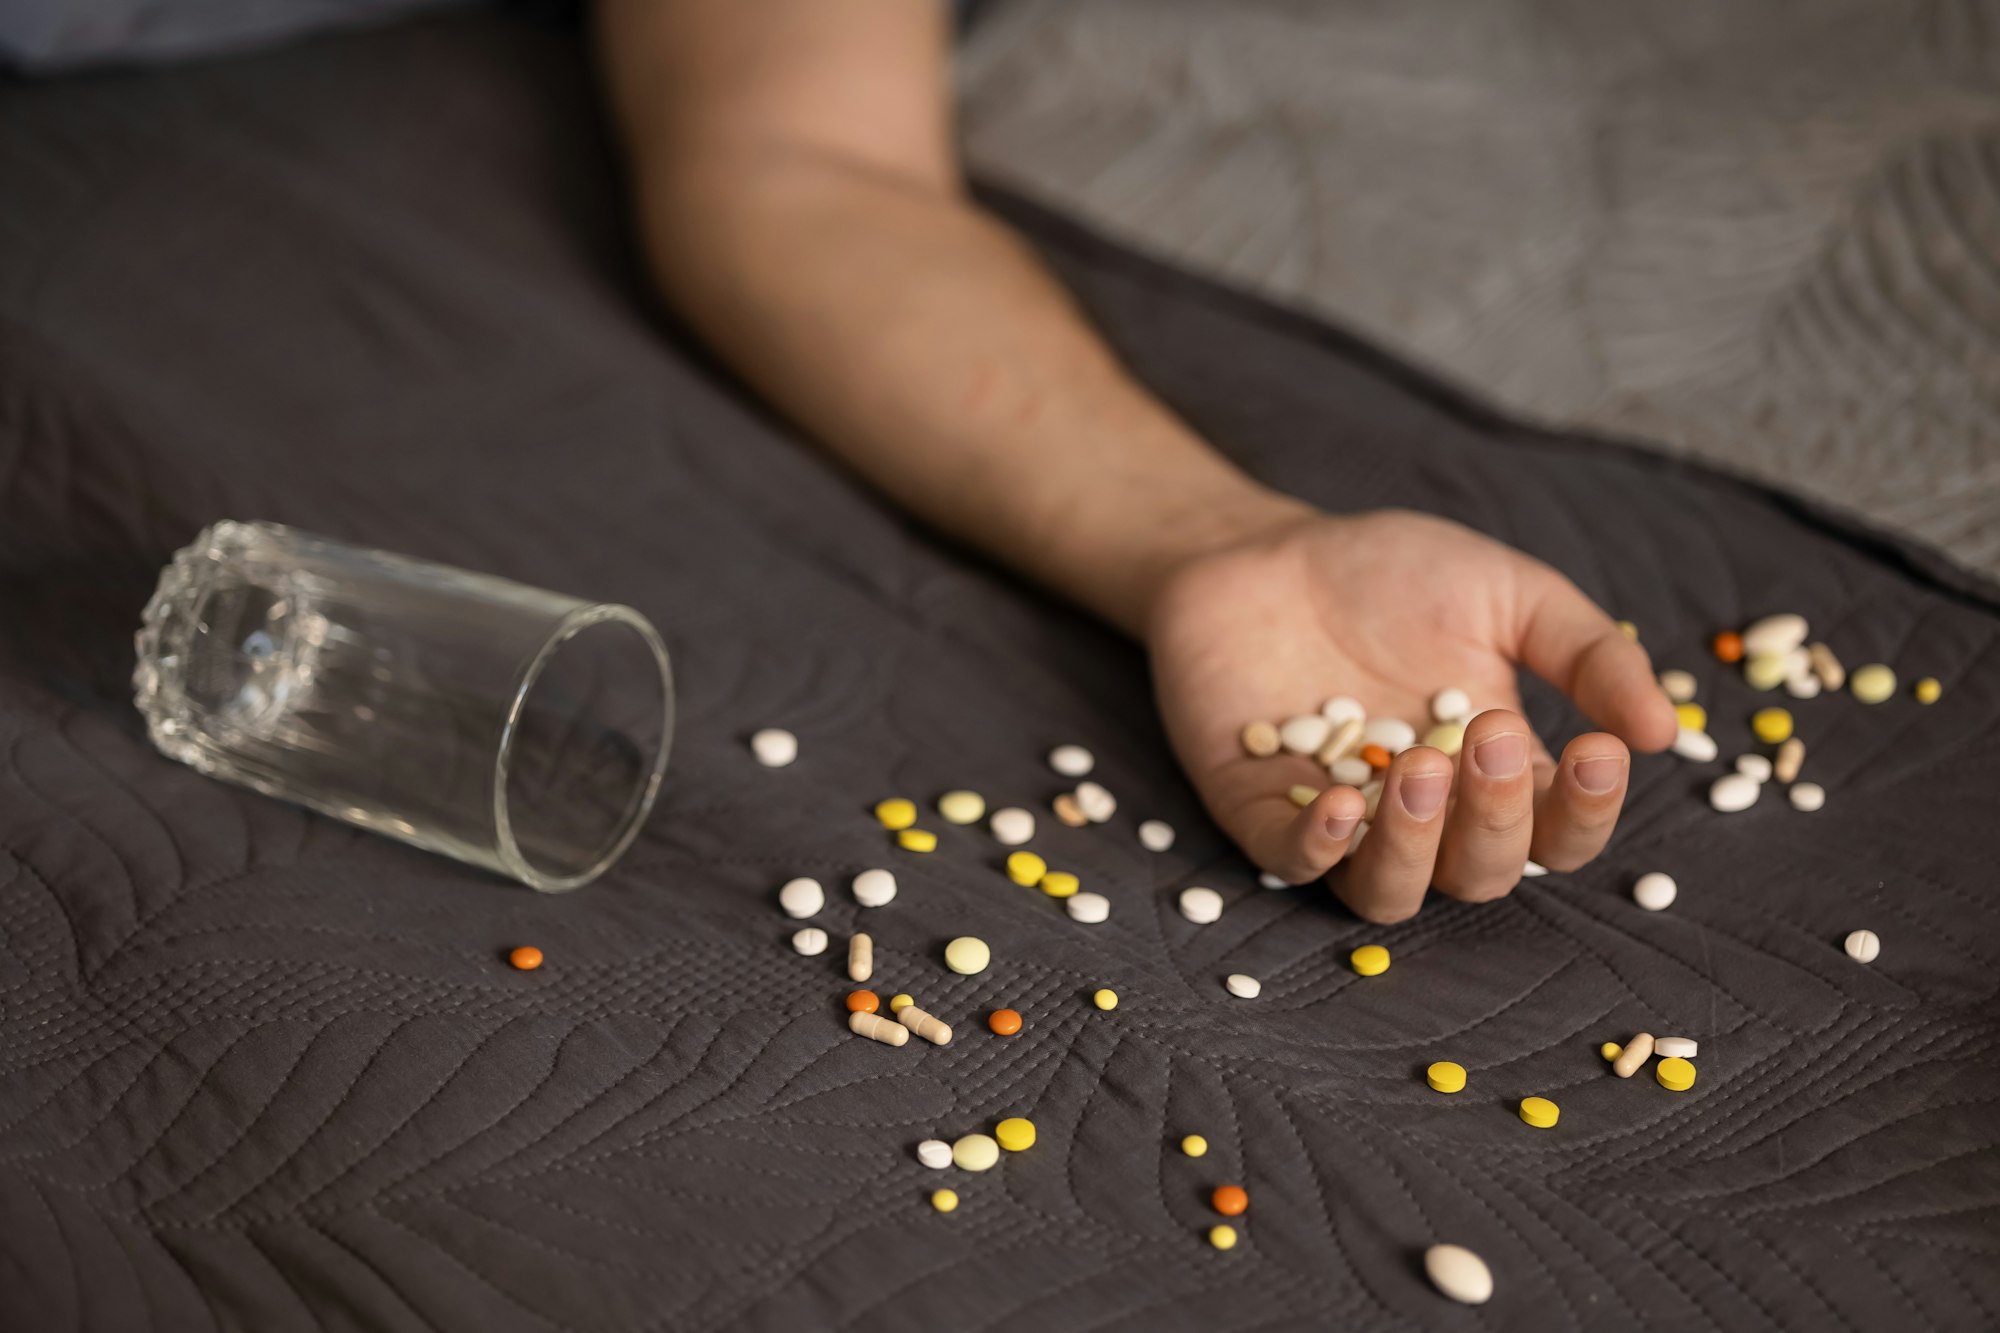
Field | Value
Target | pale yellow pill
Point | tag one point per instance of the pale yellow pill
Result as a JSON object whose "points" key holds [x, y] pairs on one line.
{"points": [[1765, 671], [1105, 999], [1222, 1236], [1772, 725], [962, 807], [1610, 1050], [1370, 960], [1539, 1111], [898, 1003], [1302, 795], [1194, 1145], [1446, 1076], [975, 1152], [1873, 683], [1060, 884], [1693, 716], [1026, 869], [944, 1201], [917, 840], [1630, 630], [1015, 1134], [896, 813], [1261, 739], [967, 955], [1928, 691], [1675, 1074], [1446, 736]]}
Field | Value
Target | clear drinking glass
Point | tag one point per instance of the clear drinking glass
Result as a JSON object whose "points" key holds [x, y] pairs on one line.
{"points": [[512, 728]]}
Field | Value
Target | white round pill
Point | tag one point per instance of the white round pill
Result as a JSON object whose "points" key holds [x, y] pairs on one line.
{"points": [[801, 897], [774, 747], [874, 888], [1696, 745], [1774, 635], [1676, 1048], [1087, 907], [1452, 705], [1244, 987], [1156, 836], [1459, 1273], [1340, 708], [1201, 906], [1351, 772], [1678, 685], [1655, 891], [1754, 766], [1734, 791], [1533, 869], [1271, 881], [934, 1153], [811, 941], [1305, 733], [1391, 733], [1072, 761], [1012, 826], [1863, 946], [1803, 687], [1096, 803], [1807, 796]]}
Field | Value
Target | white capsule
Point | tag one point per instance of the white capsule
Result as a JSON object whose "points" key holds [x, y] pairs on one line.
{"points": [[934, 1153], [1344, 741], [1863, 946], [1678, 685], [1696, 745], [1271, 881], [1340, 708], [801, 897], [1305, 733], [1734, 791], [1533, 870], [1012, 826], [811, 941], [1391, 733], [1351, 772], [1459, 1273], [1803, 687], [1096, 803], [1372, 794], [1676, 1048], [1087, 907], [1655, 891], [1775, 635], [1072, 761], [1244, 987], [1452, 705], [1754, 766], [1201, 906], [1156, 836], [1807, 796], [874, 888], [774, 747]]}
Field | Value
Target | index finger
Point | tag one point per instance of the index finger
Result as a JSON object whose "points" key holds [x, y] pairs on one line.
{"points": [[1567, 640]]}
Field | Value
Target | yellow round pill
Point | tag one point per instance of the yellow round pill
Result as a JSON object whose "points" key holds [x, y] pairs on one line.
{"points": [[961, 807], [1015, 1133], [1222, 1236], [1693, 717], [967, 955], [898, 1003], [1370, 960], [1675, 1074], [1928, 691], [896, 813], [1873, 683], [1539, 1111], [1446, 1076], [1105, 999], [1060, 884], [1772, 725], [1630, 630], [1194, 1145], [1610, 1050], [1765, 671], [1026, 869], [975, 1152], [944, 1200], [917, 840]]}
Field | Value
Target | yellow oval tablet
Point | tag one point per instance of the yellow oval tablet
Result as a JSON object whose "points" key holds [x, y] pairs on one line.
{"points": [[1772, 725], [1446, 1076], [917, 840], [1194, 1145], [1675, 1074], [896, 813], [1105, 999], [1026, 869], [1015, 1133], [962, 807], [1764, 671], [1539, 1111], [1060, 884], [1693, 717], [1370, 960]]}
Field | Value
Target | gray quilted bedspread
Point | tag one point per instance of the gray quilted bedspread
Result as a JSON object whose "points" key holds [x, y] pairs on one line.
{"points": [[261, 1071]]}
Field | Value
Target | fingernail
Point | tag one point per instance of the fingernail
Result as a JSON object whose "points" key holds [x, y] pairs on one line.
{"points": [[1600, 775], [1502, 756], [1339, 826], [1422, 795]]}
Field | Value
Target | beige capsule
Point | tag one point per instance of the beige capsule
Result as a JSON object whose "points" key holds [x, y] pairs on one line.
{"points": [[1775, 634], [930, 1028], [1678, 685], [1345, 739], [860, 958], [1068, 811], [1791, 757], [1832, 675], [1635, 1054], [1260, 739], [877, 1028]]}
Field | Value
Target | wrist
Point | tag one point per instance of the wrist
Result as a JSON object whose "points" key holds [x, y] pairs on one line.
{"points": [[1219, 515]]}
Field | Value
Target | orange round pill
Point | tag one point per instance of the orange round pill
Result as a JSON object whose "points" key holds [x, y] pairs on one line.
{"points": [[862, 1002], [1229, 1200], [1004, 1021], [1729, 646], [527, 958], [1375, 755]]}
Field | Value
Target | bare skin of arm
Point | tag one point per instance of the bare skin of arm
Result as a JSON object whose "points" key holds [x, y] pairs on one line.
{"points": [[802, 207]]}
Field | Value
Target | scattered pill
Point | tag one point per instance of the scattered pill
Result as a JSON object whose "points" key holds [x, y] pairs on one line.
{"points": [[1156, 835], [1451, 705], [1004, 1022], [1791, 758], [1873, 683], [1370, 960], [801, 897], [1825, 666], [1346, 738], [1222, 1236], [1243, 987], [928, 1026], [945, 1201], [1375, 757], [967, 955], [874, 888], [1302, 795], [1863, 946], [917, 840], [1096, 803], [1391, 733], [1610, 1050], [1305, 733], [896, 813], [1261, 740], [1637, 1051], [1734, 791], [1341, 708], [1754, 766], [810, 942], [1026, 869], [1229, 1200], [1728, 646], [1693, 717], [860, 957], [1068, 811], [1201, 905], [1772, 725], [934, 1153], [1012, 826], [1679, 686], [1089, 908], [1106, 999], [1533, 870], [1629, 630], [975, 1152], [1674, 1074], [1807, 796], [1446, 736], [774, 747], [1459, 1274], [1540, 1112], [1270, 881], [1765, 672], [526, 958], [1352, 771], [877, 1028], [1928, 690], [1655, 891], [1016, 1134], [1194, 1145], [1446, 1076], [962, 807], [1696, 745], [1072, 761], [863, 1002], [1678, 1048], [1775, 634], [1060, 884], [1803, 687], [898, 1003]]}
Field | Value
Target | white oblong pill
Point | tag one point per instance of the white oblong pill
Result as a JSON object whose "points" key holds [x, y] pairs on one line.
{"points": [[1270, 881], [1696, 745], [1372, 794], [1200, 905], [1863, 946], [1340, 708], [1459, 1273], [1391, 733], [934, 1153], [1451, 705], [1676, 1048], [1655, 891], [1156, 835], [1533, 869], [801, 897], [1012, 826], [1087, 907], [1305, 733], [1096, 803], [1678, 685], [1351, 772], [1243, 986], [1734, 791], [1754, 766], [1072, 761], [1803, 687], [774, 747], [811, 941], [1775, 634], [1807, 796], [874, 888]]}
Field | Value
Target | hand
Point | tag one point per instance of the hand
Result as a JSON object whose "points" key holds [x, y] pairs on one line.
{"points": [[1391, 607]]}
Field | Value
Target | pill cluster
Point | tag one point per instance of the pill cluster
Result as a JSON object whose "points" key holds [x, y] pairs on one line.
{"points": [[1675, 1071], [975, 1153]]}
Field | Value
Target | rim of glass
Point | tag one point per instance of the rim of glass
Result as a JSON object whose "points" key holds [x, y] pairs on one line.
{"points": [[572, 624]]}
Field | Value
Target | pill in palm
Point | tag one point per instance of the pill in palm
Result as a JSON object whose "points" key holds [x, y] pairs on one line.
{"points": [[1243, 986], [1872, 684], [1807, 796], [1371, 795], [1679, 686], [975, 1152], [1391, 733], [877, 1028], [1863, 946], [774, 747], [934, 1153], [1696, 745], [1343, 708], [810, 942], [874, 888], [801, 897], [1655, 891], [1459, 1274], [1352, 771], [896, 813], [1533, 869], [1679, 1048], [1156, 835], [1260, 740], [961, 807], [1072, 761], [1088, 908], [1734, 791], [1341, 744], [1096, 803], [1201, 905], [1451, 705], [967, 955], [1448, 737], [1301, 795], [1305, 733], [1637, 1051], [1012, 826]]}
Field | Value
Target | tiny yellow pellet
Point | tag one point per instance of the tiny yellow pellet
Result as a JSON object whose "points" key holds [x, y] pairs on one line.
{"points": [[1302, 795], [1026, 869], [944, 1201], [1105, 999], [1446, 1076], [1872, 684], [1675, 1074], [962, 807], [898, 1003], [917, 840], [1610, 1050], [1194, 1145], [896, 813], [1015, 1133], [1772, 725], [1539, 1111], [1060, 884], [1693, 717], [1222, 1236], [1928, 691], [1629, 630], [1370, 960]]}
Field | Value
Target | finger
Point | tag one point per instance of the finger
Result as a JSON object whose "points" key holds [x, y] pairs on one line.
{"points": [[1580, 807], [1388, 873], [1492, 816], [1297, 845], [1566, 640]]}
